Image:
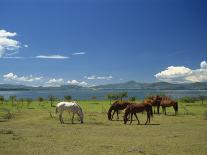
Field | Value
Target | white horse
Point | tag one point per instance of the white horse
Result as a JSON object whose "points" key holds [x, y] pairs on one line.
{"points": [[70, 107]]}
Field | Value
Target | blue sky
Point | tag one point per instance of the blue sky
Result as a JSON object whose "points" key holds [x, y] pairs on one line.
{"points": [[94, 42]]}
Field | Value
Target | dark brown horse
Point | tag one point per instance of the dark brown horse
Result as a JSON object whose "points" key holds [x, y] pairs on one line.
{"points": [[167, 102], [154, 101], [115, 107], [132, 109]]}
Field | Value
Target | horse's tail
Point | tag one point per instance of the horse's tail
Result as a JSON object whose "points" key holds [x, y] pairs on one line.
{"points": [[109, 112]]}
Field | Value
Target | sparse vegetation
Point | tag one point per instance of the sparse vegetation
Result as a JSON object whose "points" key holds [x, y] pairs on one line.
{"points": [[32, 128], [68, 98]]}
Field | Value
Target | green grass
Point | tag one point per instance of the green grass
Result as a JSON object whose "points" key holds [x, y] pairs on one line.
{"points": [[33, 131]]}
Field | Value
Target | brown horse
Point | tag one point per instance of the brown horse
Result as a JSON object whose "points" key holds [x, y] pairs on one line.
{"points": [[167, 102], [132, 109], [115, 107], [154, 101]]}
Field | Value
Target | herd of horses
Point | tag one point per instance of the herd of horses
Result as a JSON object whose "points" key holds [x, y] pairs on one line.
{"points": [[131, 108]]}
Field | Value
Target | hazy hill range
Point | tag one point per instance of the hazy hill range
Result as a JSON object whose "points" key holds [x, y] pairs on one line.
{"points": [[125, 85], [155, 86]]}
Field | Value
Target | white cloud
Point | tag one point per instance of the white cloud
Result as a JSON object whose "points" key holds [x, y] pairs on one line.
{"points": [[26, 46], [13, 77], [181, 74], [6, 43], [93, 77], [55, 82], [203, 65], [79, 53], [52, 57], [75, 82], [8, 57]]}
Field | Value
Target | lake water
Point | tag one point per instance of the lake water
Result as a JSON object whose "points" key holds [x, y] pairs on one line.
{"points": [[100, 94]]}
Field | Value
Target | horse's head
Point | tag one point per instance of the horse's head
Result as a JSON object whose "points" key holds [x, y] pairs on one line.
{"points": [[80, 113], [127, 112]]}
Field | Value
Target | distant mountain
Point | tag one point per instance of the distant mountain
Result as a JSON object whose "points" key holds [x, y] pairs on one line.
{"points": [[155, 86], [125, 85], [4, 87]]}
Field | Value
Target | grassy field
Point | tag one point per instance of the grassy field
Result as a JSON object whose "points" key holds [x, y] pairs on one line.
{"points": [[36, 130]]}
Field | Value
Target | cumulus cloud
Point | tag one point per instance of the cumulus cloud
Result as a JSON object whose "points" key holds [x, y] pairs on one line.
{"points": [[51, 57], [13, 77], [93, 77], [75, 82], [55, 82], [181, 74], [203, 65], [79, 53], [7, 44]]}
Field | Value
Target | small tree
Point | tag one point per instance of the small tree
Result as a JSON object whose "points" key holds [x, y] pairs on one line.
{"points": [[133, 98], [67, 98], [40, 100], [110, 97], [2, 99], [29, 101], [202, 98], [12, 99], [21, 100], [51, 99], [122, 95]]}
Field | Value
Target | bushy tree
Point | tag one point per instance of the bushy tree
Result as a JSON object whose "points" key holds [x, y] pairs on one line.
{"points": [[122, 95], [202, 98], [67, 97], [29, 101], [132, 98], [51, 98], [2, 99], [12, 99], [40, 100]]}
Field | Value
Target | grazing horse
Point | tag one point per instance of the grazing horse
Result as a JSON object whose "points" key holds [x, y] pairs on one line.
{"points": [[115, 107], [168, 103], [155, 102], [136, 108], [70, 107]]}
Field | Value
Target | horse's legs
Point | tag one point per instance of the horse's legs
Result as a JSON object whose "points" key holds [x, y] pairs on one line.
{"points": [[165, 110], [175, 110], [158, 109], [113, 115], [61, 117], [131, 118], [137, 118], [147, 117], [73, 117], [117, 114]]}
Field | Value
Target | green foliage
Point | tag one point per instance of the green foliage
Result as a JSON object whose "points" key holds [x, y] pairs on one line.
{"points": [[132, 98], [188, 99], [117, 96], [52, 99], [13, 99], [40, 99], [2, 99], [67, 98], [29, 101]]}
